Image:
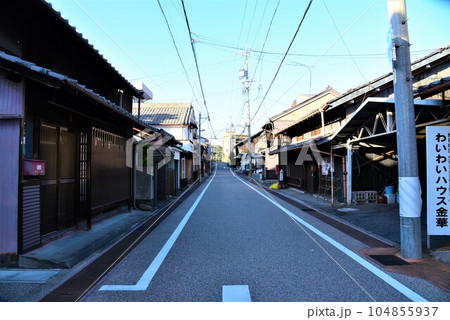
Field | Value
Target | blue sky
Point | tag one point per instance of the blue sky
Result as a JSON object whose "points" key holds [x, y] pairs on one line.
{"points": [[341, 43]]}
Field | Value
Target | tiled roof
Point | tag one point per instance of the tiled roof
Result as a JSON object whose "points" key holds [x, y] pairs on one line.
{"points": [[434, 84], [80, 35], [362, 90], [17, 62], [303, 103], [164, 113]]}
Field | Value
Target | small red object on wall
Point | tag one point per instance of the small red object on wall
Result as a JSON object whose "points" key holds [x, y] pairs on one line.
{"points": [[33, 167]]}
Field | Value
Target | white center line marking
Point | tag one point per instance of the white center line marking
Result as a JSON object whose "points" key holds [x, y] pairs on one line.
{"points": [[148, 275], [239, 293], [379, 273]]}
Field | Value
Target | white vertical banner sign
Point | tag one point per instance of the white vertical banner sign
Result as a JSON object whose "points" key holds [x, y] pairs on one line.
{"points": [[438, 180]]}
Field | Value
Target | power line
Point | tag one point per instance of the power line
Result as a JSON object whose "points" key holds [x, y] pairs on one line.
{"points": [[233, 96], [346, 47], [260, 23], [216, 43], [284, 57], [178, 71], [137, 63], [122, 48], [329, 47], [261, 52], [265, 40], [325, 51], [176, 47], [196, 62], [243, 20], [251, 22], [229, 46], [343, 41]]}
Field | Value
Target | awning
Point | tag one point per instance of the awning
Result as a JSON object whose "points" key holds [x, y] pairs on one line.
{"points": [[299, 145], [299, 121], [158, 148], [245, 156], [180, 150], [358, 118]]}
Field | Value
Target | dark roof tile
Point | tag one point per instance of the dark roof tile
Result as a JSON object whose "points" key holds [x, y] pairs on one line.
{"points": [[165, 113]]}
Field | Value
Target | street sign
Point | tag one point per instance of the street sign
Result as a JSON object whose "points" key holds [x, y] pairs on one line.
{"points": [[438, 178]]}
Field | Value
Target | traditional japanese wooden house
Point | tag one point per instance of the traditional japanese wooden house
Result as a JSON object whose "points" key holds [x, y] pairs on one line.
{"points": [[65, 119], [355, 134]]}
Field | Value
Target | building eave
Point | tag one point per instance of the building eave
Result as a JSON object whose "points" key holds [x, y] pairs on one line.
{"points": [[56, 80], [73, 29]]}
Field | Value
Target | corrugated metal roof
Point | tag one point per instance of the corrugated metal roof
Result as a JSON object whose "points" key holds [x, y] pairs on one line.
{"points": [[165, 113], [362, 114], [300, 144]]}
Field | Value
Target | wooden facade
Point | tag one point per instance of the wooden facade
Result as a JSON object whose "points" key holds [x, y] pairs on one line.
{"points": [[62, 105], [360, 135]]}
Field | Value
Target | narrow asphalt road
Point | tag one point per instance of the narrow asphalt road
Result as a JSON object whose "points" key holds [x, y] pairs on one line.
{"points": [[230, 241]]}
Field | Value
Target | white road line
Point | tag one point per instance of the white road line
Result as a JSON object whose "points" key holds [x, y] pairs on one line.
{"points": [[382, 275], [148, 275], [235, 293]]}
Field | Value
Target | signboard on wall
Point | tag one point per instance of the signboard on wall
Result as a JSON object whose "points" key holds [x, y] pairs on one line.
{"points": [[438, 180]]}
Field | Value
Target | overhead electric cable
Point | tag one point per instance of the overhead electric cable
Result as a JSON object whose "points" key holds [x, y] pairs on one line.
{"points": [[343, 41], [264, 44], [130, 56], [346, 47], [123, 49], [233, 96], [260, 23], [179, 72], [284, 57], [361, 55], [196, 62], [176, 47], [265, 40], [217, 43], [327, 49], [251, 22]]}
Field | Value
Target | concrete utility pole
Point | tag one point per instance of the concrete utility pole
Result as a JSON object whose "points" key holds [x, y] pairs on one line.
{"points": [[408, 173], [247, 91], [199, 147]]}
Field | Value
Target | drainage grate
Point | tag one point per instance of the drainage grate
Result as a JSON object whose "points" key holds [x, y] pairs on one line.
{"points": [[389, 260]]}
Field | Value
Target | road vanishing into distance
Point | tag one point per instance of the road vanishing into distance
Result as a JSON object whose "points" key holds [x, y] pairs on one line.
{"points": [[230, 240]]}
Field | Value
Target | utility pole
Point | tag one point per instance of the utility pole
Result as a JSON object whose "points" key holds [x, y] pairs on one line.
{"points": [[199, 147], [408, 173], [247, 102], [230, 145]]}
